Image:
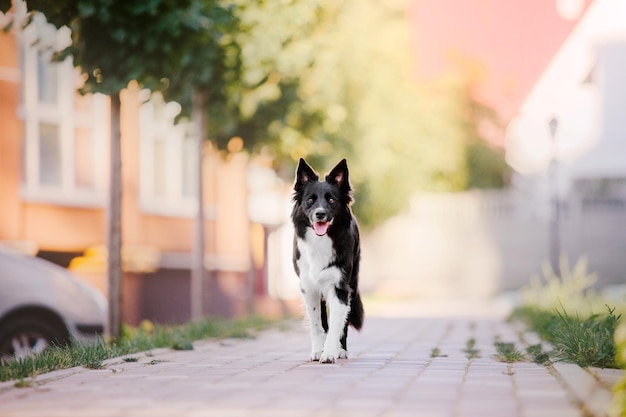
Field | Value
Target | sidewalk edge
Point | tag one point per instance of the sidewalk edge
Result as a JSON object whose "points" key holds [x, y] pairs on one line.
{"points": [[594, 398]]}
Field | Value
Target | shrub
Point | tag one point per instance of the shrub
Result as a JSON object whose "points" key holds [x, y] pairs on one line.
{"points": [[564, 311], [573, 290]]}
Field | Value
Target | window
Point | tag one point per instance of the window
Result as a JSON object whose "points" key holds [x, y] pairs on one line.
{"points": [[64, 134], [168, 167]]}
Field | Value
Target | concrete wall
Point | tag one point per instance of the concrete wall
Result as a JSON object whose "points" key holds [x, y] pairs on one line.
{"points": [[479, 243]]}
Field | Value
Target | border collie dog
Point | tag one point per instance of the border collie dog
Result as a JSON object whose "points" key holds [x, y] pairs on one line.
{"points": [[326, 256]]}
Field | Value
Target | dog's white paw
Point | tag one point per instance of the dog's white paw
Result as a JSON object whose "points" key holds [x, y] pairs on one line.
{"points": [[317, 346], [327, 358], [332, 355]]}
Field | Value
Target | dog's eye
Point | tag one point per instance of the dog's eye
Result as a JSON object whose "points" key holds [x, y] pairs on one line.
{"points": [[331, 200], [310, 200]]}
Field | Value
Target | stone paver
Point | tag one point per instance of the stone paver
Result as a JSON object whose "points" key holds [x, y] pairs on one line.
{"points": [[390, 373]]}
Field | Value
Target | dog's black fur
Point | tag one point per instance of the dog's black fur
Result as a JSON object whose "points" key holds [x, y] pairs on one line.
{"points": [[326, 256]]}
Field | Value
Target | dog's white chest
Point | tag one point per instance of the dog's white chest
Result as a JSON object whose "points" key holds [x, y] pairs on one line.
{"points": [[316, 254]]}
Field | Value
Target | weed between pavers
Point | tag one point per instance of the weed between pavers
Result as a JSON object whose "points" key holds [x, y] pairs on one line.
{"points": [[182, 345], [537, 354], [96, 364], [436, 353], [509, 370], [470, 350], [22, 383], [507, 352]]}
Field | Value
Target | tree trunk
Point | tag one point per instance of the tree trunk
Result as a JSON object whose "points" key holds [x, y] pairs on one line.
{"points": [[114, 221], [198, 287]]}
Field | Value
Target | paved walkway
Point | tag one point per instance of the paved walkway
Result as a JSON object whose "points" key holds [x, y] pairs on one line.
{"points": [[391, 372]]}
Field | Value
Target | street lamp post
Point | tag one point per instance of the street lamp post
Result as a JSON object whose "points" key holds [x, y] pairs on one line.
{"points": [[554, 234]]}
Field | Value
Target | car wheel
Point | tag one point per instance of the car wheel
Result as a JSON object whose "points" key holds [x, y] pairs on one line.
{"points": [[23, 336]]}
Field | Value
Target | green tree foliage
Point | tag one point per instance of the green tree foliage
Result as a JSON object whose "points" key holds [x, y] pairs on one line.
{"points": [[281, 108], [330, 79], [114, 42], [485, 166], [212, 68], [320, 79]]}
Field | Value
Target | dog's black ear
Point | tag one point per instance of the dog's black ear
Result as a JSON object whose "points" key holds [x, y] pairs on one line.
{"points": [[339, 176], [304, 174]]}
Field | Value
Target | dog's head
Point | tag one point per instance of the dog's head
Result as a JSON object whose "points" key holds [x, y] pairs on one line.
{"points": [[322, 203]]}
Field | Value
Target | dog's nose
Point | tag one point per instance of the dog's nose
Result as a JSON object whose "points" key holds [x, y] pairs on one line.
{"points": [[320, 215]]}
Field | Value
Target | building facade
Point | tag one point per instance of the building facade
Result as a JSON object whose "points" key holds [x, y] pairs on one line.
{"points": [[54, 170]]}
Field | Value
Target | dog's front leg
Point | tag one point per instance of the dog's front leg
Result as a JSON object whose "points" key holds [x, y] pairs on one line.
{"points": [[339, 309], [313, 303]]}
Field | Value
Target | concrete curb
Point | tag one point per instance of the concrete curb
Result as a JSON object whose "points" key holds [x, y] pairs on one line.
{"points": [[594, 397], [59, 374], [43, 378]]}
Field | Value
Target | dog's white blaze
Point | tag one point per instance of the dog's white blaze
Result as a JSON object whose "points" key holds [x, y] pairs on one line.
{"points": [[316, 252], [318, 279]]}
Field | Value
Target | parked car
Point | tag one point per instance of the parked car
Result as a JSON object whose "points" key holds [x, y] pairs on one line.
{"points": [[42, 304]]}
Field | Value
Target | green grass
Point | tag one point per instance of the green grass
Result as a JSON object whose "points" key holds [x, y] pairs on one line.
{"points": [[436, 353], [470, 349], [143, 338], [585, 341], [537, 354], [563, 310], [507, 352]]}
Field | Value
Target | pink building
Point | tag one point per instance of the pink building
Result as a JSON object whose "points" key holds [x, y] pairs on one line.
{"points": [[503, 45]]}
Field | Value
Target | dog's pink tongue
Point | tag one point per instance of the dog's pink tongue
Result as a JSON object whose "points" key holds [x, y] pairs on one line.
{"points": [[320, 228]]}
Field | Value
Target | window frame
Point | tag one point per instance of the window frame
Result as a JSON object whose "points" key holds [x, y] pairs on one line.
{"points": [[40, 38], [157, 125]]}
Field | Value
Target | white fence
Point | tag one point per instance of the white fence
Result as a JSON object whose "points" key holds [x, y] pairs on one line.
{"points": [[474, 244]]}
